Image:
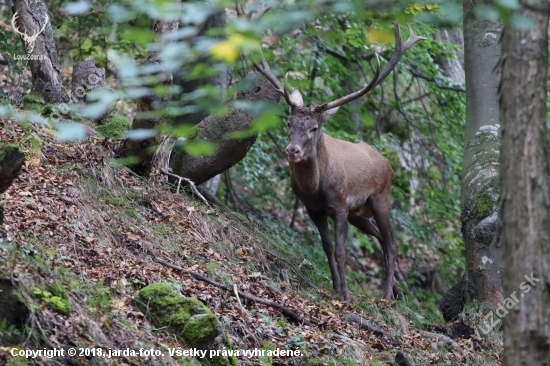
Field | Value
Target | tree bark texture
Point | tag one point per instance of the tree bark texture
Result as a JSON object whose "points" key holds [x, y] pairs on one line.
{"points": [[215, 128], [86, 78], [32, 16], [11, 162], [524, 183], [480, 188]]}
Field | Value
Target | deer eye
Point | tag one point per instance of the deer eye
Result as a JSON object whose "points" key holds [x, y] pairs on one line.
{"points": [[288, 124], [314, 129]]}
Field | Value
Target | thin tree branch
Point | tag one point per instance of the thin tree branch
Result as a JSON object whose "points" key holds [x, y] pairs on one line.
{"points": [[190, 182], [432, 80], [286, 311]]}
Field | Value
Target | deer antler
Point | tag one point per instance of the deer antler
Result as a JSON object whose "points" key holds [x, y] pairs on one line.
{"points": [[266, 72], [400, 49]]}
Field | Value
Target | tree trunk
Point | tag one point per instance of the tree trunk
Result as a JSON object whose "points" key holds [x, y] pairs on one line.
{"points": [[33, 18], [142, 149], [215, 128], [526, 203], [11, 162], [480, 190]]}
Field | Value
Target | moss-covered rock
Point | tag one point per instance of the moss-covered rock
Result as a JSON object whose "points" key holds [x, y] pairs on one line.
{"points": [[188, 318], [35, 102], [200, 329], [115, 127]]}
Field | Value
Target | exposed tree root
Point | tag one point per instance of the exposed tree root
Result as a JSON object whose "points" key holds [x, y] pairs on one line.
{"points": [[365, 324]]}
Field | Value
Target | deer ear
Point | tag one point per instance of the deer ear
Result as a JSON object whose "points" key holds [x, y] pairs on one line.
{"points": [[327, 114], [296, 97]]}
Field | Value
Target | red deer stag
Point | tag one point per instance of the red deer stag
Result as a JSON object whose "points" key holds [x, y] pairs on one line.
{"points": [[341, 180]]}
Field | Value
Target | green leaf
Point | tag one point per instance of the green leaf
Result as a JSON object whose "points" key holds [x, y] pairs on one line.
{"points": [[199, 147], [70, 131], [140, 134], [77, 7], [487, 12], [521, 22], [139, 35], [509, 4]]}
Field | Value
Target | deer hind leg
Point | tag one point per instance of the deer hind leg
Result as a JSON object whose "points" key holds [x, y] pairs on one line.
{"points": [[320, 220], [381, 207], [366, 225]]}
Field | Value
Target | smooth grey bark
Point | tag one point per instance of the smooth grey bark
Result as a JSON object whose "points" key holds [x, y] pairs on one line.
{"points": [[45, 69], [229, 151], [525, 188], [480, 169]]}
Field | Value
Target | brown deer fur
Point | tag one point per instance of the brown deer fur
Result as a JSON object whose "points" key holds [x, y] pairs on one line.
{"points": [[344, 181]]}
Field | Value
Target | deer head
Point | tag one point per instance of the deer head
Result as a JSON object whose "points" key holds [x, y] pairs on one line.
{"points": [[305, 129], [29, 40]]}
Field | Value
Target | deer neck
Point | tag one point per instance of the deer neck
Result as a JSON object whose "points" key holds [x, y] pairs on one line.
{"points": [[307, 173]]}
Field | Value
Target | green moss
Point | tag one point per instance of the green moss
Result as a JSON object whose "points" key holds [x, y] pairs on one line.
{"points": [[484, 205], [34, 102], [187, 317], [5, 101], [168, 308], [201, 329], [115, 128]]}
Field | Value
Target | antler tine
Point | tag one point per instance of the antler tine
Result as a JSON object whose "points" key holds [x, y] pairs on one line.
{"points": [[266, 72], [400, 49], [264, 68], [263, 9], [413, 38]]}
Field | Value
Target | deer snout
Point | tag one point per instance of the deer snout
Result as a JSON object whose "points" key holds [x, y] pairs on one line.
{"points": [[293, 152]]}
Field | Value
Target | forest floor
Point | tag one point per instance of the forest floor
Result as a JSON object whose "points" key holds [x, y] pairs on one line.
{"points": [[76, 221]]}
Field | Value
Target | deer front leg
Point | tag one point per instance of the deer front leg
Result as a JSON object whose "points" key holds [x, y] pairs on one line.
{"points": [[341, 229], [320, 220]]}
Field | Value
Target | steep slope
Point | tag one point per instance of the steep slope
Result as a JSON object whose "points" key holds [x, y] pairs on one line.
{"points": [[82, 236]]}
